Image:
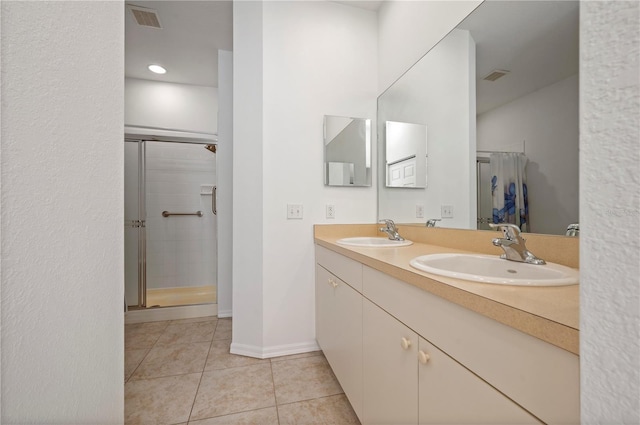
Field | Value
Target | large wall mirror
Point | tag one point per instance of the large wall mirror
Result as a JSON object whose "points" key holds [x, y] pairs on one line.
{"points": [[347, 151], [500, 89]]}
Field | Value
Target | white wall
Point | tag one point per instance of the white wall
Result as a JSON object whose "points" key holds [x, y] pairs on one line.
{"points": [[547, 120], [225, 182], [171, 106], [610, 212], [439, 92], [408, 29], [62, 212], [326, 69], [248, 177]]}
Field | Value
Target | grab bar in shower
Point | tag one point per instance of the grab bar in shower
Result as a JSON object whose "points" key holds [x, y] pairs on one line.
{"points": [[167, 213]]}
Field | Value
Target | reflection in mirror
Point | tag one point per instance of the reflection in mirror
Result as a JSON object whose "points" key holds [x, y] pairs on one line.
{"points": [[530, 109], [347, 151], [406, 154]]}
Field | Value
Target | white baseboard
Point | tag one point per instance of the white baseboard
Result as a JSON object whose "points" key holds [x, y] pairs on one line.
{"points": [[224, 314], [170, 313], [275, 351]]}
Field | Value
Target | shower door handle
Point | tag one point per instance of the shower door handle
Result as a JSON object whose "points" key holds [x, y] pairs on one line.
{"points": [[214, 195]]}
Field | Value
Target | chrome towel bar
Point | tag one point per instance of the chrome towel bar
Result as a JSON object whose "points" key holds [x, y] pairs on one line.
{"points": [[167, 213]]}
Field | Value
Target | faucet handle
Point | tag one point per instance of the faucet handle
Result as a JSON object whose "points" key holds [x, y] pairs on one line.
{"points": [[510, 231], [390, 224], [432, 222]]}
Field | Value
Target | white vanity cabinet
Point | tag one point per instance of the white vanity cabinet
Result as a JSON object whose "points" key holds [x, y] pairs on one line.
{"points": [[406, 356], [448, 393], [339, 322], [407, 380], [390, 359]]}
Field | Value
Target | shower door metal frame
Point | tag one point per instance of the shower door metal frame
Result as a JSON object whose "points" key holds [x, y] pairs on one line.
{"points": [[140, 223]]}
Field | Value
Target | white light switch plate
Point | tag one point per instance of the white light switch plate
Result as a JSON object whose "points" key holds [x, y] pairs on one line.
{"points": [[446, 211], [419, 211]]}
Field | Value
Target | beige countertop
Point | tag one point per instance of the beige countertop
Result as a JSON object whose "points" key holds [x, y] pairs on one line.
{"points": [[548, 313]]}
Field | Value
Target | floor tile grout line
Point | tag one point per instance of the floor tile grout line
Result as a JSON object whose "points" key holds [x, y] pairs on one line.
{"points": [[164, 376], [311, 399], [195, 397], [138, 366], [275, 398], [240, 412]]}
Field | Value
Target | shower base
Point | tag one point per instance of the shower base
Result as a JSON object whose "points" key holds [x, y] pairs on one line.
{"points": [[169, 297]]}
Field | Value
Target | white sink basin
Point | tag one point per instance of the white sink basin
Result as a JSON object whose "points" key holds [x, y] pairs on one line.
{"points": [[373, 242], [493, 269]]}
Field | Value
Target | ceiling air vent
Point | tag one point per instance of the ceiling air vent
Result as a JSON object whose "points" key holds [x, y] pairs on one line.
{"points": [[495, 74], [145, 17]]}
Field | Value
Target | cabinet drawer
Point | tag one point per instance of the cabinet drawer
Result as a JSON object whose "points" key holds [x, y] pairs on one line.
{"points": [[346, 269], [542, 378]]}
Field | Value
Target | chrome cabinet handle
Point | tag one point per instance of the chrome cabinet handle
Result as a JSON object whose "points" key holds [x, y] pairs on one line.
{"points": [[214, 202]]}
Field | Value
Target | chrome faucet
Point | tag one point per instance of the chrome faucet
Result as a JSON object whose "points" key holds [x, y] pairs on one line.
{"points": [[432, 222], [391, 230], [573, 230], [513, 245]]}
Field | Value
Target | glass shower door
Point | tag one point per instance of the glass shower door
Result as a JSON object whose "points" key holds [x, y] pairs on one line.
{"points": [[180, 224], [170, 224]]}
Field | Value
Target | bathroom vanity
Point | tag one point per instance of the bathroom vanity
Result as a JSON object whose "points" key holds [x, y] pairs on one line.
{"points": [[410, 347]]}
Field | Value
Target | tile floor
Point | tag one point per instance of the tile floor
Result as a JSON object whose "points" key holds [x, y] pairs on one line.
{"points": [[181, 372]]}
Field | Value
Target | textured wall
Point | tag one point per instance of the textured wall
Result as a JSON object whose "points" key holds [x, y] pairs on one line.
{"points": [[62, 212], [610, 212]]}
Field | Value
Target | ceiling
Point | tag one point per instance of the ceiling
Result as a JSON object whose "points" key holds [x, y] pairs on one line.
{"points": [[186, 45], [188, 42], [536, 40]]}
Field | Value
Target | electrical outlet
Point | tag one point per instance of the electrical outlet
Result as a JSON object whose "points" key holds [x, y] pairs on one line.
{"points": [[446, 211], [294, 211], [419, 211], [331, 211]]}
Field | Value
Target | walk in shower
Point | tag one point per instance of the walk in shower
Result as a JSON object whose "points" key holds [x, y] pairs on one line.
{"points": [[170, 224]]}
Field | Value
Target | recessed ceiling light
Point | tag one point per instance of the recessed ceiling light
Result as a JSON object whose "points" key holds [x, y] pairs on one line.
{"points": [[157, 69]]}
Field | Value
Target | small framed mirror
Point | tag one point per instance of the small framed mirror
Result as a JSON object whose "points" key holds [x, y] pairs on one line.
{"points": [[406, 154], [347, 151]]}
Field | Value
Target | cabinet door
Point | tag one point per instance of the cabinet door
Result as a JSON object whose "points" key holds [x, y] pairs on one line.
{"points": [[390, 369], [450, 394], [339, 332]]}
